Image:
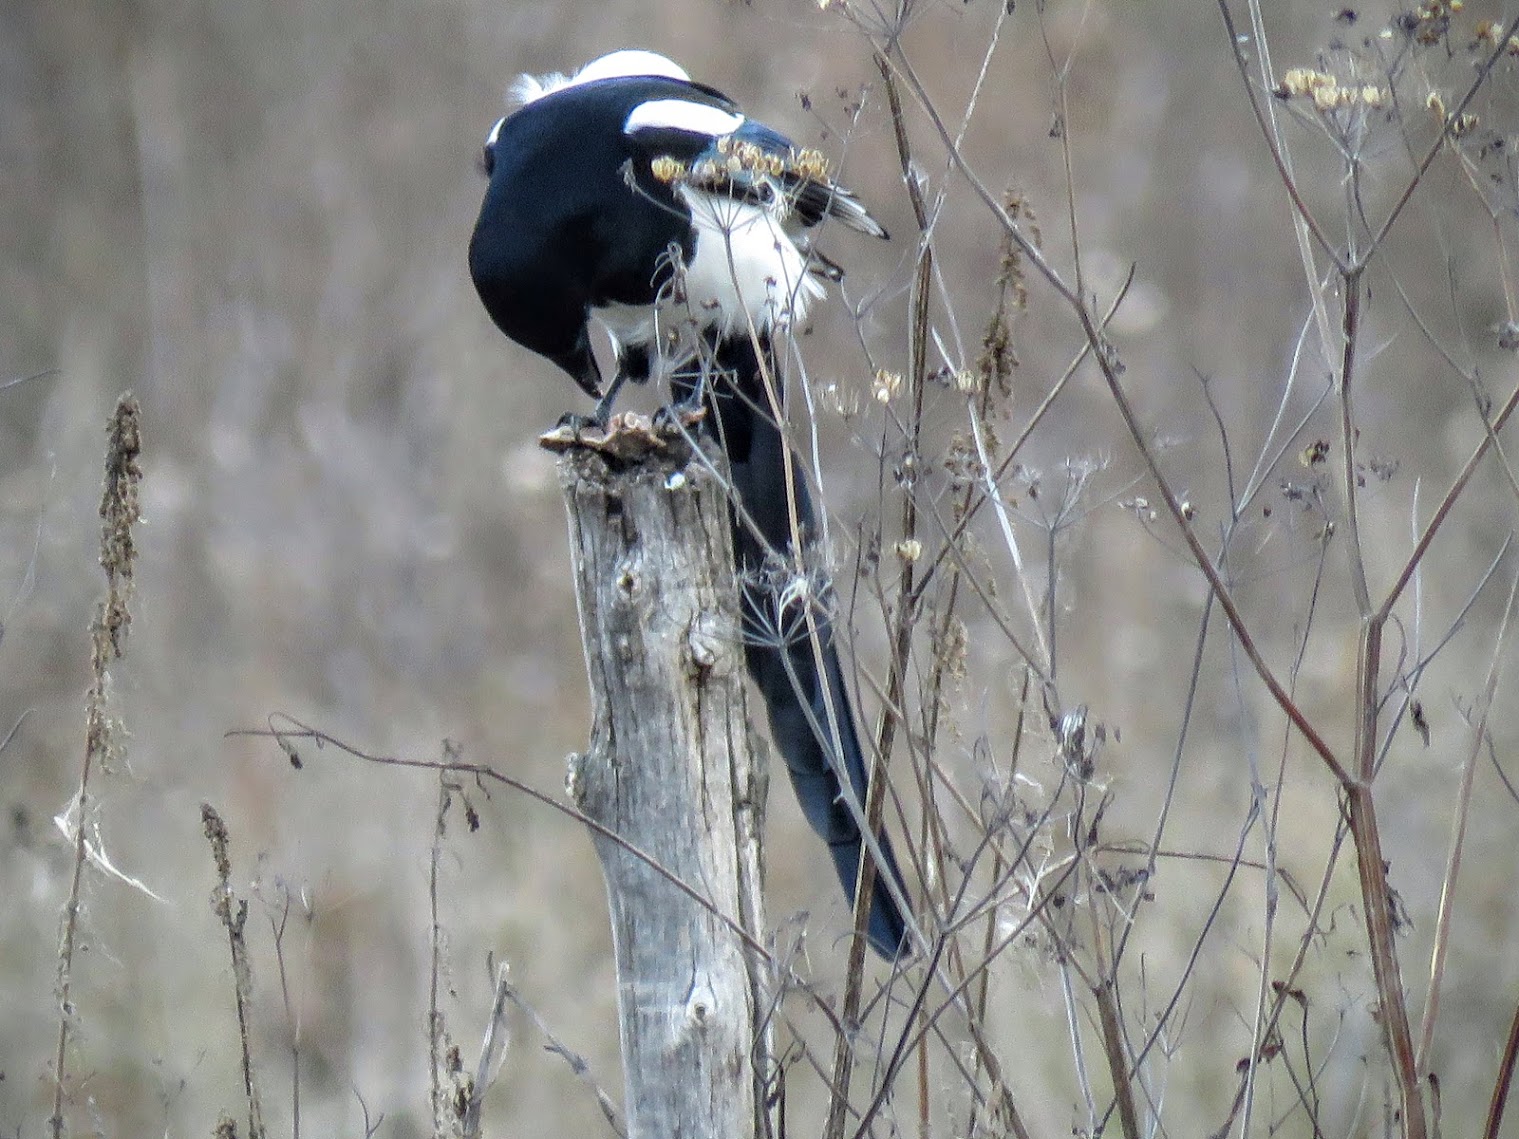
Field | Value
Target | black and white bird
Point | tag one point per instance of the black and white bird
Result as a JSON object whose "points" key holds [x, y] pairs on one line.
{"points": [[630, 197]]}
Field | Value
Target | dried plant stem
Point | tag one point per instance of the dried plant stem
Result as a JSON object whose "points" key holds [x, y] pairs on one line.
{"points": [[1376, 894], [278, 926], [1442, 511], [1354, 778], [1451, 119], [119, 512], [506, 991], [1118, 1064], [1110, 367], [234, 918], [844, 1052], [1360, 808], [1503, 1081], [1351, 323], [440, 1056], [1458, 838]]}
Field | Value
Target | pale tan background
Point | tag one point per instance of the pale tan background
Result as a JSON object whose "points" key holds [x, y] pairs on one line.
{"points": [[254, 214]]}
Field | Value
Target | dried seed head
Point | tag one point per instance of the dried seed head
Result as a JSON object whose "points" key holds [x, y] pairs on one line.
{"points": [[886, 385], [666, 169]]}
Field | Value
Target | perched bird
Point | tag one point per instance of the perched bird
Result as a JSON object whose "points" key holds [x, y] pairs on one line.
{"points": [[630, 196]]}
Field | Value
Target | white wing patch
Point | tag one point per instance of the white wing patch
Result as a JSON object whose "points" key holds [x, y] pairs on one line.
{"points": [[617, 65], [682, 115]]}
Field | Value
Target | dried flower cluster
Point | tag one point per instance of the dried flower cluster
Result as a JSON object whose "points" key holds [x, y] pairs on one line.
{"points": [[1326, 92], [885, 385], [738, 157]]}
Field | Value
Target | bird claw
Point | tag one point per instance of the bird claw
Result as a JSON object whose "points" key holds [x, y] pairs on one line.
{"points": [[574, 424], [679, 417]]}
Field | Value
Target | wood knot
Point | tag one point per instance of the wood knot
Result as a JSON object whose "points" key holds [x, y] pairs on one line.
{"points": [[704, 644], [700, 1006]]}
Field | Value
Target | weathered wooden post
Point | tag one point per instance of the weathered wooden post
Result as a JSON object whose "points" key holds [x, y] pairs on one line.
{"points": [[670, 770]]}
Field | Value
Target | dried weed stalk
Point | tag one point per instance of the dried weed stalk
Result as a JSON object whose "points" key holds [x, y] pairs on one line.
{"points": [[119, 513]]}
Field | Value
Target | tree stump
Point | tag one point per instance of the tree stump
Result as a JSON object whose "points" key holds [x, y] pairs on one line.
{"points": [[672, 773]]}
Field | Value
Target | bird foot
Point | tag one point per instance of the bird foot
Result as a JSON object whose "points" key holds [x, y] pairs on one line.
{"points": [[679, 417], [576, 425], [625, 435]]}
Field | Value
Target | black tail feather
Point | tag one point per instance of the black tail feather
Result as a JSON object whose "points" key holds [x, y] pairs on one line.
{"points": [[800, 678]]}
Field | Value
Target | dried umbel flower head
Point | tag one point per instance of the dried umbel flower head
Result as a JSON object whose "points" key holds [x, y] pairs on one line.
{"points": [[1326, 92], [738, 159], [886, 385], [666, 169]]}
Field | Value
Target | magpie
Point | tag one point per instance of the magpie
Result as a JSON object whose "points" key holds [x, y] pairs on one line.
{"points": [[631, 197]]}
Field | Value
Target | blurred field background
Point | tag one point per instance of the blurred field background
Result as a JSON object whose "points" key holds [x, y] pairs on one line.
{"points": [[254, 215]]}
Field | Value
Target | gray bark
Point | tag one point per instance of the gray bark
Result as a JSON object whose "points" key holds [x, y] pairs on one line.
{"points": [[671, 772]]}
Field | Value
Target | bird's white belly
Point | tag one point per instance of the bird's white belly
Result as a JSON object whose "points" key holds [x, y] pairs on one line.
{"points": [[747, 276]]}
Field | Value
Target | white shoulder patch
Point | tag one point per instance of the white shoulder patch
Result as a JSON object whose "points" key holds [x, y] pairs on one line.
{"points": [[490, 139], [617, 65], [682, 115]]}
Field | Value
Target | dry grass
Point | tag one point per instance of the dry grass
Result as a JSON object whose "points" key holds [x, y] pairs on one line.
{"points": [[1270, 334]]}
